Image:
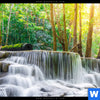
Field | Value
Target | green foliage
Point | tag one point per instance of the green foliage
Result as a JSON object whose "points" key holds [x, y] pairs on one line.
{"points": [[29, 24]]}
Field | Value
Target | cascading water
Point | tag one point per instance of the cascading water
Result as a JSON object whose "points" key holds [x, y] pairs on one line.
{"points": [[45, 73]]}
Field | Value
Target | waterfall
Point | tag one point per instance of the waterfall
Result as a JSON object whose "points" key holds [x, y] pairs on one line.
{"points": [[48, 73], [54, 65]]}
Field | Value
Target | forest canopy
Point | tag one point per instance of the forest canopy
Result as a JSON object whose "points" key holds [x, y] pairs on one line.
{"points": [[61, 27]]}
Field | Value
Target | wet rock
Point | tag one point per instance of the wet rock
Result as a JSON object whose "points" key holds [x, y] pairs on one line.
{"points": [[72, 86], [0, 67], [2, 59], [3, 81], [99, 64], [63, 95], [49, 95], [3, 54], [44, 90], [4, 66], [33, 72], [94, 86], [2, 74], [27, 46], [69, 85]]}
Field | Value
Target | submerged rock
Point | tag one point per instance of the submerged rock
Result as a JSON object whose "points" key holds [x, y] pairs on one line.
{"points": [[2, 74]]}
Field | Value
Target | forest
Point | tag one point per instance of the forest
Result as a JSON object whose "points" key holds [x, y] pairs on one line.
{"points": [[72, 27]]}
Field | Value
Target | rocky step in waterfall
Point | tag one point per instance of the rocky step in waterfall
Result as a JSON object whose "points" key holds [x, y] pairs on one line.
{"points": [[47, 73]]}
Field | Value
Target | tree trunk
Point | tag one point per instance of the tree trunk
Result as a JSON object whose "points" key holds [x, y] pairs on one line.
{"points": [[60, 36], [58, 22], [43, 23], [89, 36], [98, 57], [8, 24], [39, 21], [0, 25], [80, 41], [53, 28], [63, 46], [2, 28], [65, 37], [27, 24], [2, 40], [75, 28], [47, 14]]}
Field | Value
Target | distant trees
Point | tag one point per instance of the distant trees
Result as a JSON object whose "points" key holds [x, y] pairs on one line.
{"points": [[90, 31]]}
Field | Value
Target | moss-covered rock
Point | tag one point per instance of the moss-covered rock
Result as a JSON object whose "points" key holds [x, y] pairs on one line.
{"points": [[3, 54], [17, 47], [27, 46]]}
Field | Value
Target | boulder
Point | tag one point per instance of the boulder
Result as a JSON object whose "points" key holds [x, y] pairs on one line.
{"points": [[0, 67], [27, 46], [4, 66], [17, 47], [44, 90], [3, 54], [99, 65]]}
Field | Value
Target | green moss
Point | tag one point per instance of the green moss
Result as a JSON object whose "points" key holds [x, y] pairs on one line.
{"points": [[10, 46], [18, 45], [15, 46]]}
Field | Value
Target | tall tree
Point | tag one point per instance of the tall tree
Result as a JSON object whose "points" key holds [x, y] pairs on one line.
{"points": [[80, 32], [27, 23], [11, 6], [65, 37], [90, 31], [53, 27], [98, 56], [0, 24], [62, 38], [75, 29], [61, 35]]}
